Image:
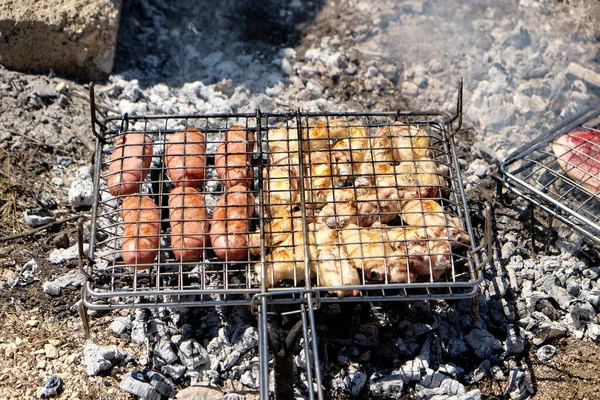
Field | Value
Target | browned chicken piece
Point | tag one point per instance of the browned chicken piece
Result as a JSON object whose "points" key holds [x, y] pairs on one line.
{"points": [[426, 254], [322, 133], [379, 152], [321, 178], [416, 179], [360, 206], [350, 152], [281, 191], [430, 214], [327, 261], [340, 208], [378, 205], [333, 266], [278, 230], [408, 142], [371, 251], [286, 262], [283, 146]]}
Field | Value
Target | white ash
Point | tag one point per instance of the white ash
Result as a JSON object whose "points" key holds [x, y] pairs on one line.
{"points": [[81, 193], [98, 359], [38, 217]]}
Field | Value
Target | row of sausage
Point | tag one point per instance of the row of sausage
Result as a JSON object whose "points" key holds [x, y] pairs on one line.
{"points": [[185, 165]]}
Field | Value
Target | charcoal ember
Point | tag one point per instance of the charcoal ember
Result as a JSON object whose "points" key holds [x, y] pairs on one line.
{"points": [[135, 383], [52, 387], [250, 377], [438, 384], [38, 216], [545, 307], [59, 256], [546, 352], [366, 335], [120, 326], [547, 332], [456, 347], [176, 372], [247, 341], [558, 293], [81, 193], [519, 387], [161, 384], [349, 380], [192, 354], [164, 350], [412, 370], [573, 287], [579, 316], [98, 359], [515, 342], [385, 385], [483, 342], [157, 328], [480, 372]]}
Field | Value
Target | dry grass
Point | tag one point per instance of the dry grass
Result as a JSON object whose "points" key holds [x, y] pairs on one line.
{"points": [[10, 192]]}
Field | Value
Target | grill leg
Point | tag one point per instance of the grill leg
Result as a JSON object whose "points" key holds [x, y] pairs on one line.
{"points": [[263, 350], [311, 346]]}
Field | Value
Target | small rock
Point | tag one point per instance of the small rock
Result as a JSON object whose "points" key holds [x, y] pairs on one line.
{"points": [[409, 89], [51, 351], [38, 217], [51, 288], [200, 392], [61, 240], [81, 193], [546, 352], [52, 387], [58, 181]]}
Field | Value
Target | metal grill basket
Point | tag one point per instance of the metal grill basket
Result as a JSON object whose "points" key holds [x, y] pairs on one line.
{"points": [[434, 250], [564, 191]]}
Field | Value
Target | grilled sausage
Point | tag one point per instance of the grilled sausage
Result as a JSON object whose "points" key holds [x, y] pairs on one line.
{"points": [[233, 158], [185, 158], [189, 223], [130, 161], [230, 226], [142, 229]]}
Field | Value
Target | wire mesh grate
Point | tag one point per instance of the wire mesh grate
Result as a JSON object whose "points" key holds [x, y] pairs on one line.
{"points": [[559, 172], [224, 208]]}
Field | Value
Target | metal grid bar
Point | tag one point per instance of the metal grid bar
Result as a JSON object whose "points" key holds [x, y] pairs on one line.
{"points": [[565, 191]]}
